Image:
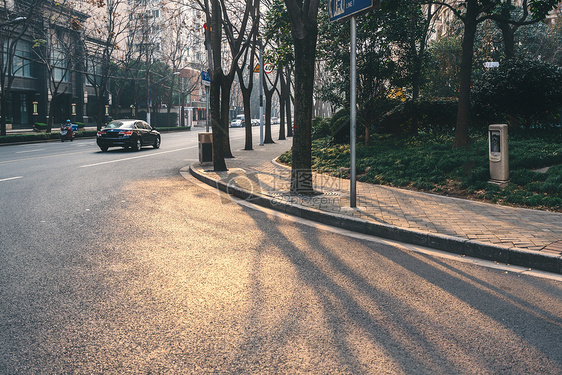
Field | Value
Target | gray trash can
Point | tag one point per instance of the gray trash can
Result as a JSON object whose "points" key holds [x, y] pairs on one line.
{"points": [[205, 147]]}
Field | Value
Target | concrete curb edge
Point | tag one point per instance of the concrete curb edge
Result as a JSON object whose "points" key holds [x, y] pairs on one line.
{"points": [[502, 254]]}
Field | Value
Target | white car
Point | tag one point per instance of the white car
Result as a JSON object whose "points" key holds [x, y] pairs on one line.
{"points": [[237, 122]]}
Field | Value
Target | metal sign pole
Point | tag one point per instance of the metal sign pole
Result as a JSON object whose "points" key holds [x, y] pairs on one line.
{"points": [[353, 115], [341, 10], [207, 115], [261, 93]]}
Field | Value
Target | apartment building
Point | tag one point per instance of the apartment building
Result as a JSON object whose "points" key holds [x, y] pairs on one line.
{"points": [[61, 47], [41, 62]]}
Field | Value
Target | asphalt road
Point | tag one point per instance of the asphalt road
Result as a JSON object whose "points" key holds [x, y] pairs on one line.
{"points": [[113, 263]]}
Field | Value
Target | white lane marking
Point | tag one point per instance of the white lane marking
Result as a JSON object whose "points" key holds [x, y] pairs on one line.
{"points": [[23, 152], [11, 178], [137, 157]]}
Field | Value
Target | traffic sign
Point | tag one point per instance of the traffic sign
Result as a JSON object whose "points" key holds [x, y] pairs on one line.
{"points": [[268, 68], [342, 9], [205, 78]]}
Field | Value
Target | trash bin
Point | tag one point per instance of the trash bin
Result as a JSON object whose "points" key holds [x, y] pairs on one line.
{"points": [[205, 147], [498, 153]]}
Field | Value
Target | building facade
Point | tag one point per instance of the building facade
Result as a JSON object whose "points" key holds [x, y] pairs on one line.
{"points": [[57, 53]]}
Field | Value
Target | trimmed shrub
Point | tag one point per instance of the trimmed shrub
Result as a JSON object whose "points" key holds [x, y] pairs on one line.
{"points": [[525, 93], [161, 119], [321, 128], [431, 116]]}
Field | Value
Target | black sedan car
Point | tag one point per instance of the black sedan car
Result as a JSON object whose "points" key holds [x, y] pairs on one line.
{"points": [[128, 134]]}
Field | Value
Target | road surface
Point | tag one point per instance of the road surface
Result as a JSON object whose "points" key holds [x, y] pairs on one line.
{"points": [[113, 263]]}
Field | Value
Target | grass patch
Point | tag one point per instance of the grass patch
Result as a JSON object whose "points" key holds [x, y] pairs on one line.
{"points": [[428, 162]]}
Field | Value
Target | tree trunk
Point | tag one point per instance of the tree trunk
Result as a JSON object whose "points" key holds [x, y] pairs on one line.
{"points": [[281, 107], [170, 99], [219, 163], [287, 101], [217, 77], [301, 172], [226, 88], [463, 111], [101, 111], [51, 119], [246, 94], [4, 109], [246, 101], [288, 114], [268, 103], [508, 33], [268, 100]]}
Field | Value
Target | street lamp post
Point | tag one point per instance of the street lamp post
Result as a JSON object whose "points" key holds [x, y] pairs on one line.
{"points": [[11, 22]]}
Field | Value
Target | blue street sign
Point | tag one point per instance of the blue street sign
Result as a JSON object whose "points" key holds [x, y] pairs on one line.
{"points": [[341, 9], [205, 78]]}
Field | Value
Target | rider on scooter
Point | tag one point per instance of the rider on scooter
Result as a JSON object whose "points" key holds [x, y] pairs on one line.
{"points": [[66, 131]]}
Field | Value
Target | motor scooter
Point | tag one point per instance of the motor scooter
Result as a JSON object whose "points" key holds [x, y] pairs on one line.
{"points": [[66, 133]]}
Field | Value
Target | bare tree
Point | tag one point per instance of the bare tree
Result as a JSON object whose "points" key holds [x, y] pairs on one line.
{"points": [[15, 21], [246, 72], [57, 47], [268, 104], [281, 53], [104, 34], [127, 61], [236, 36], [174, 45]]}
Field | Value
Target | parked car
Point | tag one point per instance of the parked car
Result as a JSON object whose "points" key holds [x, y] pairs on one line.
{"points": [[237, 122], [255, 122], [128, 134]]}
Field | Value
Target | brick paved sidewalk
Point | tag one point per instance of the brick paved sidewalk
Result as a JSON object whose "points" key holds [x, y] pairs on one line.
{"points": [[499, 226]]}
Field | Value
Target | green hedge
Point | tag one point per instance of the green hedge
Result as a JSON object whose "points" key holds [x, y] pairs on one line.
{"points": [[162, 119], [173, 129], [523, 93], [36, 137], [431, 116]]}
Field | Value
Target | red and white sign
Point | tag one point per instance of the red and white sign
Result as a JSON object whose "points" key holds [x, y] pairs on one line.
{"points": [[268, 68]]}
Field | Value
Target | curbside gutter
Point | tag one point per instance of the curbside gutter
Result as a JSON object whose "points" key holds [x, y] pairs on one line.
{"points": [[461, 246]]}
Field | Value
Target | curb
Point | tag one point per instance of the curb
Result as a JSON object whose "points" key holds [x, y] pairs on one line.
{"points": [[502, 254], [39, 141]]}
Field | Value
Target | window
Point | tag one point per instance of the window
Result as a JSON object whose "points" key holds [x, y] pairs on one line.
{"points": [[60, 65], [93, 76], [22, 61]]}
